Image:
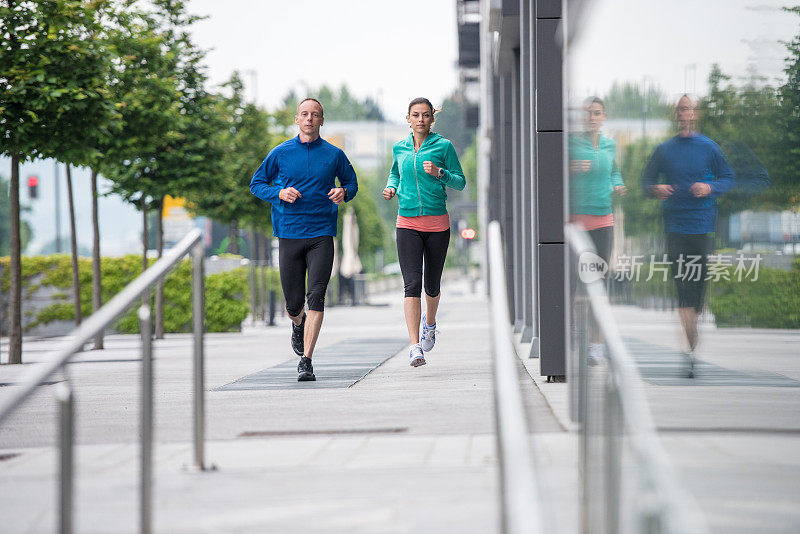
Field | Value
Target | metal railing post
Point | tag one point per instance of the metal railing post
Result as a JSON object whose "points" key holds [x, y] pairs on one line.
{"points": [[145, 483], [520, 503], [198, 315], [66, 414], [613, 453]]}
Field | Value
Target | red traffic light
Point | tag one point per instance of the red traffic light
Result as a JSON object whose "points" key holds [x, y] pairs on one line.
{"points": [[33, 189], [468, 233]]}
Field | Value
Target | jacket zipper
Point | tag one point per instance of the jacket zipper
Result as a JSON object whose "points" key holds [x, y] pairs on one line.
{"points": [[419, 195]]}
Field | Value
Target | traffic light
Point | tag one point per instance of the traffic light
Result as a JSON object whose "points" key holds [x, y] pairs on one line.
{"points": [[33, 187]]}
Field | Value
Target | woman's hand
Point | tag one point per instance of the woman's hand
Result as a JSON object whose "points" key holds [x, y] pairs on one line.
{"points": [[388, 193], [620, 190], [290, 194], [430, 168]]}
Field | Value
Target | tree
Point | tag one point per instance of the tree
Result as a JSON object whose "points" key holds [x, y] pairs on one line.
{"points": [[25, 229], [52, 87], [450, 123], [246, 138], [625, 100], [790, 123], [338, 106], [188, 157]]}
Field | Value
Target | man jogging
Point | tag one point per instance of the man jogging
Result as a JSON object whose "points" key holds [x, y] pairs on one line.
{"points": [[688, 173], [297, 178]]}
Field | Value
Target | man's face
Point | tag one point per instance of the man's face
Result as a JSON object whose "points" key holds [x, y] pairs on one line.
{"points": [[309, 117], [685, 112]]}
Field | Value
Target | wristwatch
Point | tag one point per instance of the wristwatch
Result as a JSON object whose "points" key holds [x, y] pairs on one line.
{"points": [[441, 173]]}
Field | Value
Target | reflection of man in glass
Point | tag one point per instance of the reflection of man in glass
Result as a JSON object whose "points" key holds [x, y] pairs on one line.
{"points": [[687, 173]]}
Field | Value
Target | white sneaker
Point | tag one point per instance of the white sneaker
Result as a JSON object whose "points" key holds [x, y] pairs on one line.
{"points": [[597, 353], [415, 356], [428, 338]]}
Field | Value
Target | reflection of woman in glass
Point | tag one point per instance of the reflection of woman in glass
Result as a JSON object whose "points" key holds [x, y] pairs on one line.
{"points": [[594, 176]]}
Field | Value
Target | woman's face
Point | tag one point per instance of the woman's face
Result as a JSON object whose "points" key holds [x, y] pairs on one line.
{"points": [[420, 117], [596, 116]]}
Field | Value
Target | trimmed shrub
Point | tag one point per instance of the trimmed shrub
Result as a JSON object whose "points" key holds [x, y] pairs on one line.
{"points": [[226, 294]]}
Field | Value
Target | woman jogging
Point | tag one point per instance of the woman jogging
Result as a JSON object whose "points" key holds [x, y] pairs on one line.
{"points": [[422, 165], [594, 176]]}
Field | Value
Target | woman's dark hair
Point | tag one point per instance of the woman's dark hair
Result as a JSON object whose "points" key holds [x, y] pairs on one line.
{"points": [[421, 100], [595, 100]]}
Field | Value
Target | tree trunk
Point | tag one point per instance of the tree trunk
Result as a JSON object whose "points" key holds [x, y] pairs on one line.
{"points": [[76, 280], [97, 288], [15, 269], [233, 238], [146, 295], [159, 315]]}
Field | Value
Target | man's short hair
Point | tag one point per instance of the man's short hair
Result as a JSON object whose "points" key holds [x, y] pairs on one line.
{"points": [[313, 100]]}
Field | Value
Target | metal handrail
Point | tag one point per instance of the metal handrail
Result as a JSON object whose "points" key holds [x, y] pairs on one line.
{"points": [[37, 374], [670, 504], [520, 496]]}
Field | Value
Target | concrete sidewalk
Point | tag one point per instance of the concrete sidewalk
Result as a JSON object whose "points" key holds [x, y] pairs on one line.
{"points": [[733, 433], [401, 450]]}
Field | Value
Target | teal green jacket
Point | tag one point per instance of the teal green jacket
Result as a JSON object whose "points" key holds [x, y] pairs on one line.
{"points": [[590, 192], [418, 192]]}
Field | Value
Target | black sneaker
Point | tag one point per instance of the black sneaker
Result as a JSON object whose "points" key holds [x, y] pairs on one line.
{"points": [[305, 371], [297, 337]]}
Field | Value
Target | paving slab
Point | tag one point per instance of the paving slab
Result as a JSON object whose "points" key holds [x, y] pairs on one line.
{"points": [[389, 448], [339, 366]]}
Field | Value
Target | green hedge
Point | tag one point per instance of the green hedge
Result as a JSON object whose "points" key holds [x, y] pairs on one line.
{"points": [[227, 293], [772, 301]]}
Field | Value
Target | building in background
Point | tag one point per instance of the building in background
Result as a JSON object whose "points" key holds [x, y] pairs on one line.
{"points": [[368, 144]]}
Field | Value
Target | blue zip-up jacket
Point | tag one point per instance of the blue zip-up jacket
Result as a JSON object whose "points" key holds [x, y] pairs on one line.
{"points": [[682, 161], [311, 168]]}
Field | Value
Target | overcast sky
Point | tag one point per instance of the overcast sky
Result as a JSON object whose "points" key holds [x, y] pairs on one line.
{"points": [[675, 43], [396, 50]]}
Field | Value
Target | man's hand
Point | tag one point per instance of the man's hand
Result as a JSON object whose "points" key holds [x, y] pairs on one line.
{"points": [[662, 191], [430, 168], [337, 195], [700, 189], [388, 193], [621, 190], [290, 194], [580, 165]]}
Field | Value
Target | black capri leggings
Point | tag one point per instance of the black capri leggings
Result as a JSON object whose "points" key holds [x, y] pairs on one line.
{"points": [[296, 256], [412, 247], [691, 283]]}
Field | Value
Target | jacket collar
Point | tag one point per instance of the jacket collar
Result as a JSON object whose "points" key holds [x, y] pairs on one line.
{"points": [[428, 140], [315, 142]]}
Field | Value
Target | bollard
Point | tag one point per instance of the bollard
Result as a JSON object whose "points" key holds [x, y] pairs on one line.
{"points": [[66, 414], [198, 316], [145, 482], [272, 307]]}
